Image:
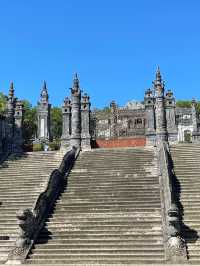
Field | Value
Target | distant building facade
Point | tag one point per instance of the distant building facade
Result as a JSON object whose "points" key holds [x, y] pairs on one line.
{"points": [[138, 119]]}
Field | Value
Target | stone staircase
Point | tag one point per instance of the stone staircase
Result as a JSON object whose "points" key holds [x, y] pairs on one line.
{"points": [[109, 212], [22, 178], [186, 159]]}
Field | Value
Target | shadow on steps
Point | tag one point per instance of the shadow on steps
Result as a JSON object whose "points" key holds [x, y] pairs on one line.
{"points": [[189, 235], [45, 235]]}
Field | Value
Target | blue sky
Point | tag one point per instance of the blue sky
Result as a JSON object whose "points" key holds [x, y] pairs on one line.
{"points": [[114, 45]]}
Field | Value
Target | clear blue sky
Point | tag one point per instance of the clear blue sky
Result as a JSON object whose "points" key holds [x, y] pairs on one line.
{"points": [[114, 45]]}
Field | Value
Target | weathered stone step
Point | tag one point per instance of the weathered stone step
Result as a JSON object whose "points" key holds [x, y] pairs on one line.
{"points": [[107, 204], [92, 252], [97, 262], [102, 228], [85, 246]]}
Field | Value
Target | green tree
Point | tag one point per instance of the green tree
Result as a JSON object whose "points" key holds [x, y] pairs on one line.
{"points": [[187, 104], [56, 122], [183, 103], [30, 122], [3, 103]]}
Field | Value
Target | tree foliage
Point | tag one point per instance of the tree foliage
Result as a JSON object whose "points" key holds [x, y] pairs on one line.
{"points": [[3, 103], [56, 122], [30, 122], [187, 104]]}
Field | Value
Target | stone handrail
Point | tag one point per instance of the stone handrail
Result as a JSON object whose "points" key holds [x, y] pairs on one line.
{"points": [[32, 220], [174, 244]]}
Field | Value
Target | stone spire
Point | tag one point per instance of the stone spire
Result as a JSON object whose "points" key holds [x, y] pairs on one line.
{"points": [[150, 117], [66, 123], [75, 139], [170, 109], [43, 113], [113, 119], [85, 123], [11, 90], [159, 87], [10, 129], [44, 97]]}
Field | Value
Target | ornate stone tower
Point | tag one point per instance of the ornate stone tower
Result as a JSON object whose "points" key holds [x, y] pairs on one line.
{"points": [[85, 123], [170, 108], [150, 131], [18, 129], [113, 120], [43, 113], [195, 133], [75, 139], [10, 117], [161, 130], [66, 126]]}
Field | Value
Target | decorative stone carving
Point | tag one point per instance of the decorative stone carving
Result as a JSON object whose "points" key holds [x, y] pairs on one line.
{"points": [[170, 106], [10, 116], [43, 113], [113, 120], [66, 126], [161, 131], [18, 129], [31, 221], [175, 244], [149, 117], [75, 139], [85, 123]]}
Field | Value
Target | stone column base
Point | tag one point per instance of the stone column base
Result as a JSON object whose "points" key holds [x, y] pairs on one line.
{"points": [[85, 144], [150, 139], [75, 141], [173, 137], [65, 143]]}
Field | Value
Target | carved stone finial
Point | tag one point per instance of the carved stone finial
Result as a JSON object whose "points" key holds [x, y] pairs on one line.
{"points": [[76, 81], [158, 75], [11, 90], [148, 93], [169, 94], [44, 97]]}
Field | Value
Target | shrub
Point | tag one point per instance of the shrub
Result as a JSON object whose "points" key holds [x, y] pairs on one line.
{"points": [[38, 147], [54, 145]]}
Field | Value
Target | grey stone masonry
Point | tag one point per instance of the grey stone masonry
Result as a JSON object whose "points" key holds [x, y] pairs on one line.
{"points": [[43, 113], [2, 133], [75, 139], [150, 131], [113, 119], [85, 123], [18, 128], [195, 133], [170, 108], [66, 126], [10, 117], [161, 131]]}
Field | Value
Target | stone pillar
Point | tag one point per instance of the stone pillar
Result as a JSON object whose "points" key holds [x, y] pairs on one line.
{"points": [[10, 117], [18, 130], [43, 113], [85, 123], [161, 132], [170, 108], [195, 133], [150, 131], [66, 123], [75, 139], [113, 119]]}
